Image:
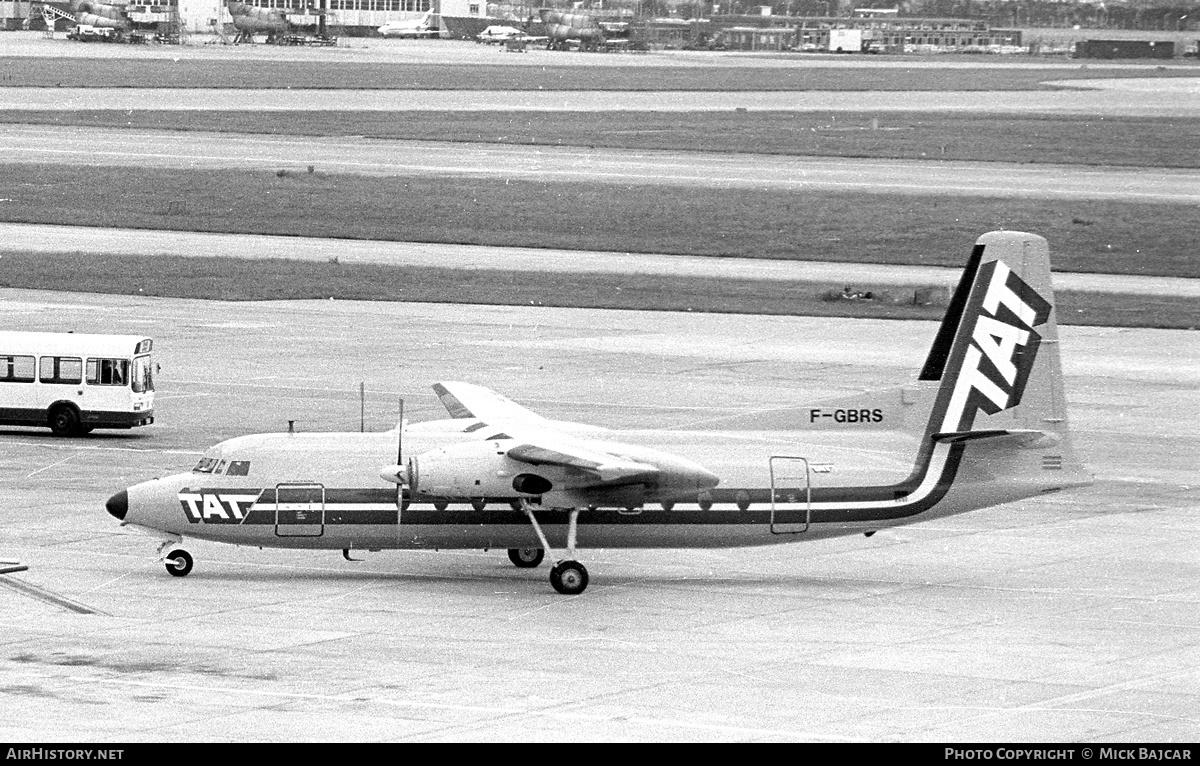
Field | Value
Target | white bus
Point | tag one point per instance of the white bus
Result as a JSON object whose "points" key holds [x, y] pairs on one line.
{"points": [[74, 382]]}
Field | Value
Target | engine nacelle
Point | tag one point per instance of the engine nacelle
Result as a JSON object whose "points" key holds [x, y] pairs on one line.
{"points": [[474, 469]]}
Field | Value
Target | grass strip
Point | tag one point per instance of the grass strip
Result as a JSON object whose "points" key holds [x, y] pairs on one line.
{"points": [[251, 279], [652, 73], [1073, 140], [1086, 236]]}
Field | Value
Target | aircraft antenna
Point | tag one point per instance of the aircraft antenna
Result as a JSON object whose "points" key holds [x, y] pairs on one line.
{"points": [[400, 456]]}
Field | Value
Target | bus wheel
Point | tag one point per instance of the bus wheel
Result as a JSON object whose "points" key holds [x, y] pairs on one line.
{"points": [[63, 420]]}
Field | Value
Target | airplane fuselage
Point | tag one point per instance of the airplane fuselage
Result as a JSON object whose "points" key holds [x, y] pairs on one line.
{"points": [[317, 491]]}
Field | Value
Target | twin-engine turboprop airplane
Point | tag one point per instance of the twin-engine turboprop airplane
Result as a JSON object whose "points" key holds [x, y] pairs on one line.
{"points": [[984, 423]]}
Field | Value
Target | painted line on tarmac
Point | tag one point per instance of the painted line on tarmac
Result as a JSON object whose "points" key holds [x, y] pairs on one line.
{"points": [[98, 448], [52, 465]]}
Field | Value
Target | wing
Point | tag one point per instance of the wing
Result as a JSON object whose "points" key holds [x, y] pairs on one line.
{"points": [[568, 453], [464, 400], [534, 439]]}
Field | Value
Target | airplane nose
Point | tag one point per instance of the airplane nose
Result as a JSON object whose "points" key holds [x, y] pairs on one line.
{"points": [[118, 505]]}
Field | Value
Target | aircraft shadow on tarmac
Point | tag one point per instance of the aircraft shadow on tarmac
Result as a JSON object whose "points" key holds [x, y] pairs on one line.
{"points": [[504, 574]]}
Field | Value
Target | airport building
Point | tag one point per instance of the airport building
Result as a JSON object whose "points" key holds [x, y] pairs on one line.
{"points": [[341, 16], [886, 34], [14, 15], [207, 16]]}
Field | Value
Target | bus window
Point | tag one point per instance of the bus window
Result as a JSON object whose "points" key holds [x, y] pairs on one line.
{"points": [[16, 369], [108, 372], [61, 369], [143, 378]]}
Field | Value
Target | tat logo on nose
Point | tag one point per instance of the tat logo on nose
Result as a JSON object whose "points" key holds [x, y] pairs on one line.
{"points": [[215, 507]]}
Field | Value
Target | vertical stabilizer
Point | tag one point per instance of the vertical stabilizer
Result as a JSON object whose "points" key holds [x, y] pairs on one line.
{"points": [[1003, 368], [1002, 381]]}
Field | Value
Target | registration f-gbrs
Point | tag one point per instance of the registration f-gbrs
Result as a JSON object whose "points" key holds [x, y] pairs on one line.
{"points": [[983, 423]]}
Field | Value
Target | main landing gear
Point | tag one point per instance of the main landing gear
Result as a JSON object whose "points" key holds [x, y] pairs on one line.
{"points": [[568, 577], [526, 558]]}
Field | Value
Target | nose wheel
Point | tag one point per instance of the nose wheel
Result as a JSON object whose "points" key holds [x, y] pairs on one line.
{"points": [[178, 563]]}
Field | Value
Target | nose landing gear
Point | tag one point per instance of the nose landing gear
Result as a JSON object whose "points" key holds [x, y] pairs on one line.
{"points": [[178, 563]]}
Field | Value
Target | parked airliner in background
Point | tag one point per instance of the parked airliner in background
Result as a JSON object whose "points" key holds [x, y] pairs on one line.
{"points": [[499, 34], [418, 27], [984, 423]]}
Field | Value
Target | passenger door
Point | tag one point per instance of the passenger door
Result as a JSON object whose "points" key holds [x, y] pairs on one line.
{"points": [[299, 510]]}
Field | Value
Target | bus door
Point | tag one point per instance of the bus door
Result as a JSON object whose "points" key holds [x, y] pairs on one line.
{"points": [[299, 510]]}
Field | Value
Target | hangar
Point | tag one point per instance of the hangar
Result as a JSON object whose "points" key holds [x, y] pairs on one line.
{"points": [[354, 17]]}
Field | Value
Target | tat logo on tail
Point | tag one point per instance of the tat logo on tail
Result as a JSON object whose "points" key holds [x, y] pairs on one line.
{"points": [[997, 345]]}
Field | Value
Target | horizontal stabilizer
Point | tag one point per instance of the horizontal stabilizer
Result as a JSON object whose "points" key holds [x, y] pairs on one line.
{"points": [[1022, 437]]}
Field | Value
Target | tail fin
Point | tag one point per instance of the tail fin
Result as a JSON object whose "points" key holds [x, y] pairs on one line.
{"points": [[997, 358], [1002, 366]]}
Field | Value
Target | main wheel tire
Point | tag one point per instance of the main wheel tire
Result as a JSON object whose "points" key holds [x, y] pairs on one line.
{"points": [[179, 563], [526, 558], [569, 578], [63, 420]]}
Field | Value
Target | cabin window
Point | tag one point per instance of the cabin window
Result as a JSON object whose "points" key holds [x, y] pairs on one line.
{"points": [[108, 372], [16, 369], [61, 369]]}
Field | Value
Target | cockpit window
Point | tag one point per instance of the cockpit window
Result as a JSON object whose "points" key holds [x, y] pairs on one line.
{"points": [[222, 467], [206, 465]]}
